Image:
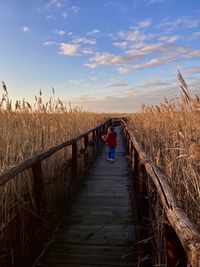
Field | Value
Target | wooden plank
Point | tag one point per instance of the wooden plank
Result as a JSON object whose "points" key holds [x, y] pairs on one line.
{"points": [[95, 250], [81, 265], [88, 259], [96, 229]]}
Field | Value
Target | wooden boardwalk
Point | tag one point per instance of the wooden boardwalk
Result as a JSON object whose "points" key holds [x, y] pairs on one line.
{"points": [[97, 228]]}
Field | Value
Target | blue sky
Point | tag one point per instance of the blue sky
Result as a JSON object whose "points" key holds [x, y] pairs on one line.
{"points": [[104, 55]]}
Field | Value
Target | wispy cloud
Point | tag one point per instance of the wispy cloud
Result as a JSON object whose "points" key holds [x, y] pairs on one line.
{"points": [[193, 70], [54, 4], [172, 24], [93, 32], [155, 1], [49, 43], [80, 82], [26, 29], [134, 36], [117, 6], [63, 7], [121, 44], [195, 35], [60, 32], [85, 97], [75, 9], [64, 14], [169, 38], [148, 56], [116, 83], [144, 23], [84, 40]]}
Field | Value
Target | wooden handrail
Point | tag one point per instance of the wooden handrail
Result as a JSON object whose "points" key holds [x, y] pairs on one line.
{"points": [[185, 230], [33, 160]]}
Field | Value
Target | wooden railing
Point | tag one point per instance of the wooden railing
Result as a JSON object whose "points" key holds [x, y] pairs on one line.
{"points": [[182, 241], [32, 192], [31, 197]]}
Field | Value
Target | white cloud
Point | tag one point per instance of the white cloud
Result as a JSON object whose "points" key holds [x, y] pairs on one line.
{"points": [[26, 29], [93, 32], [49, 43], [75, 9], [121, 44], [170, 38], [50, 17], [90, 65], [146, 55], [60, 32], [134, 36], [103, 59], [69, 49], [84, 40], [123, 70], [184, 22], [54, 4], [87, 50], [144, 23], [74, 49]]}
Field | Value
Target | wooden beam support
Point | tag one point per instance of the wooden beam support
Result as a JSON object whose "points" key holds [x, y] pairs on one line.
{"points": [[38, 186], [74, 166]]}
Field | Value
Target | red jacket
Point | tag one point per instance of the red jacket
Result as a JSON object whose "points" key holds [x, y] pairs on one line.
{"points": [[110, 139]]}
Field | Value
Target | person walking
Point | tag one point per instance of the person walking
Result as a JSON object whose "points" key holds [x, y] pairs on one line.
{"points": [[111, 141]]}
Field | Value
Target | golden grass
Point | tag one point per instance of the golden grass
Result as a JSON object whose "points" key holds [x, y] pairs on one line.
{"points": [[26, 129], [169, 133]]}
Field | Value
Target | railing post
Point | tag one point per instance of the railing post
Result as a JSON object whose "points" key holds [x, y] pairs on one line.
{"points": [[97, 136], [94, 139], [38, 185], [136, 164], [86, 141], [144, 217], [175, 254], [103, 129], [74, 161]]}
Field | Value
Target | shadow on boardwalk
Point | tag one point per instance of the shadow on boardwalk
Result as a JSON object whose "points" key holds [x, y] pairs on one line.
{"points": [[97, 228]]}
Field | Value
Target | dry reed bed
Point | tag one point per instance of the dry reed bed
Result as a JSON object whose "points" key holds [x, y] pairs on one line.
{"points": [[23, 134], [26, 130], [172, 139]]}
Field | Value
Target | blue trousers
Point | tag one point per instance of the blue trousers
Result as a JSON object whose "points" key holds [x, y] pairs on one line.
{"points": [[111, 153]]}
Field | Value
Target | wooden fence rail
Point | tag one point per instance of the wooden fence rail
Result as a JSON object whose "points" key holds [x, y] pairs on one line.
{"points": [[25, 211], [182, 239]]}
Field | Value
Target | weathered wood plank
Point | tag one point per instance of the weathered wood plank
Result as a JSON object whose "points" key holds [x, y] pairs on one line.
{"points": [[94, 250], [88, 259], [97, 229]]}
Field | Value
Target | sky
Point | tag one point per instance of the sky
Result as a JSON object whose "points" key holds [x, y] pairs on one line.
{"points": [[102, 55]]}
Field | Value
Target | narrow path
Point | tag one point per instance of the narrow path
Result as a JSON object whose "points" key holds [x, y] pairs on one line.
{"points": [[97, 229]]}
